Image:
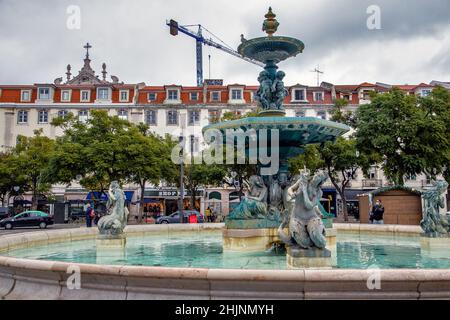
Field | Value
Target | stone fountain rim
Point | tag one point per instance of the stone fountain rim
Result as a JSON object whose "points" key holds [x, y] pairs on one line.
{"points": [[27, 278]]}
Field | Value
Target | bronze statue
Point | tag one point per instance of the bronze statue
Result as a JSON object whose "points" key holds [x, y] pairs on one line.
{"points": [[116, 220], [306, 229]]}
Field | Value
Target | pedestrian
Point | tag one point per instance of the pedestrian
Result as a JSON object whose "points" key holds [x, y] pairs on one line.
{"points": [[377, 214], [208, 214], [90, 214]]}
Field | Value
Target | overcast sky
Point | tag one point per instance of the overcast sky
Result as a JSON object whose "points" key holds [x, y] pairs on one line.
{"points": [[130, 36]]}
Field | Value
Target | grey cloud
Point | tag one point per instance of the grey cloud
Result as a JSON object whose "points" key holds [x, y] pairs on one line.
{"points": [[131, 37]]}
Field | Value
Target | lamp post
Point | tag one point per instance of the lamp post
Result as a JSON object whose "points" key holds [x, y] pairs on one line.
{"points": [[181, 195]]}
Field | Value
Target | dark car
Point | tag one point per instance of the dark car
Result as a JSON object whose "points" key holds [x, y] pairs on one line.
{"points": [[175, 217], [27, 219], [4, 212]]}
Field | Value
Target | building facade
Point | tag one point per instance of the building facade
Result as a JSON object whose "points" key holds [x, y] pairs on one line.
{"points": [[176, 110]]}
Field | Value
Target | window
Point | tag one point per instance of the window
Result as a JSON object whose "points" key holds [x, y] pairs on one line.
{"points": [[43, 116], [122, 114], [65, 95], [412, 177], [150, 117], [172, 95], [299, 95], [83, 116], [85, 95], [300, 114], [62, 113], [318, 96], [103, 93], [215, 96], [44, 93], [194, 96], [425, 92], [366, 94], [213, 116], [124, 95], [25, 95], [346, 97], [151, 96], [236, 94], [194, 117], [22, 116], [321, 114], [172, 117]]}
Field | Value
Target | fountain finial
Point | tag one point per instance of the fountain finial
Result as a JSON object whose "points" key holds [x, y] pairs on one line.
{"points": [[270, 24]]}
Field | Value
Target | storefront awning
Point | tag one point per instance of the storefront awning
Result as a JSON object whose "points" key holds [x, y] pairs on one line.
{"points": [[104, 197]]}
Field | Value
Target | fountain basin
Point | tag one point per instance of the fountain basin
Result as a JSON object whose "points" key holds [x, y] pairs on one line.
{"points": [[273, 49], [45, 279], [294, 132]]}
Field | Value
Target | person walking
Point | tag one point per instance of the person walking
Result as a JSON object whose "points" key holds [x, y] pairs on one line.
{"points": [[208, 214], [377, 214], [89, 215]]}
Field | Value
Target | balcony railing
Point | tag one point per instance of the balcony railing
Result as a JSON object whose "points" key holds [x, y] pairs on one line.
{"points": [[372, 183]]}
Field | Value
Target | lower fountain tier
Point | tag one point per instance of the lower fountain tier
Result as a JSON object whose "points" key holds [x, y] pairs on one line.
{"points": [[245, 240]]}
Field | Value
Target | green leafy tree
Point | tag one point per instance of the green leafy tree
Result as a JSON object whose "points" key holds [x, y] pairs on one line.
{"points": [[201, 175], [148, 159], [10, 177], [93, 152], [339, 114], [340, 159], [407, 134], [31, 156]]}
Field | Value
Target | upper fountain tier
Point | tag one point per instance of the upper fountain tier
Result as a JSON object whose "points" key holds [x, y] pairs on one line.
{"points": [[270, 49]]}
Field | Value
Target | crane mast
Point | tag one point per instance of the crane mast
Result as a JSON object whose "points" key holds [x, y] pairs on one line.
{"points": [[199, 39]]}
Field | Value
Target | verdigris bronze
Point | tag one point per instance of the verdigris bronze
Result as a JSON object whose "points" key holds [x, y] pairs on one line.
{"points": [[433, 223], [305, 226], [116, 220], [253, 205]]}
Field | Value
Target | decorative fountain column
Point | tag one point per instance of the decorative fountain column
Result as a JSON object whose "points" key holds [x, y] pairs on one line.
{"points": [[111, 241], [267, 214]]}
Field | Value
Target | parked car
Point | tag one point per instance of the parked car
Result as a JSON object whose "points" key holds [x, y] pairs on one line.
{"points": [[27, 219], [4, 212], [175, 217]]}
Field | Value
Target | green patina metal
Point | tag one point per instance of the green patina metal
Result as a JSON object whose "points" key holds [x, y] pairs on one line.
{"points": [[262, 207]]}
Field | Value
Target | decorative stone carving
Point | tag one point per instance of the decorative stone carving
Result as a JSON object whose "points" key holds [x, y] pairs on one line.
{"points": [[116, 220], [433, 223], [306, 229]]}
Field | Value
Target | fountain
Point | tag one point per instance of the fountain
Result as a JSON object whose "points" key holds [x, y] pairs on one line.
{"points": [[200, 261], [265, 212]]}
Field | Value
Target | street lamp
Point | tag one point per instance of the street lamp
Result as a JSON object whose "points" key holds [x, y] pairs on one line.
{"points": [[181, 196]]}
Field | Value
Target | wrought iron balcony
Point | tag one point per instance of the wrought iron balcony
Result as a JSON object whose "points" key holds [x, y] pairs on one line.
{"points": [[372, 183]]}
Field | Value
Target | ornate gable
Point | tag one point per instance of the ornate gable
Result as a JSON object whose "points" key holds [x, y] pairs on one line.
{"points": [[87, 76]]}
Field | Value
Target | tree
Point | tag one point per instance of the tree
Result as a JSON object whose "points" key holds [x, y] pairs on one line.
{"points": [[202, 175], [10, 178], [338, 114], [340, 159], [93, 152], [148, 159], [31, 156], [410, 135]]}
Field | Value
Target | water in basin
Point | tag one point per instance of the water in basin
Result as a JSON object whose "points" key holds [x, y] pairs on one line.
{"points": [[204, 250]]}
